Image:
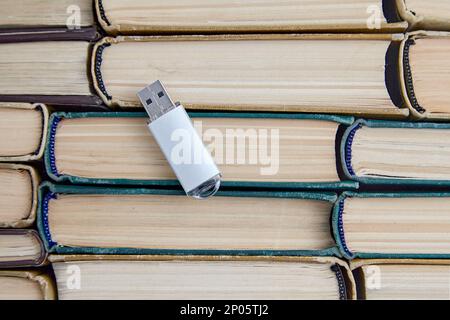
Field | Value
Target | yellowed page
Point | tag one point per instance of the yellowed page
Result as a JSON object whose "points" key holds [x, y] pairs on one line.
{"points": [[16, 195], [21, 131], [284, 75], [397, 225], [430, 67], [44, 68], [245, 149], [19, 247], [17, 288], [406, 282], [404, 153], [208, 280], [45, 13], [140, 16], [179, 222]]}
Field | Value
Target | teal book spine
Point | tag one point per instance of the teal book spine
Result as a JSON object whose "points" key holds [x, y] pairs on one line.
{"points": [[338, 227], [51, 163], [346, 153], [49, 192]]}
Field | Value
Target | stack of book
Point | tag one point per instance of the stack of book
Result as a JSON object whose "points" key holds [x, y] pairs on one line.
{"points": [[329, 120]]}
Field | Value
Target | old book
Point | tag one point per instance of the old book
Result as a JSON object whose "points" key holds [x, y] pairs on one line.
{"points": [[202, 277], [225, 16], [375, 75], [251, 150], [393, 225], [426, 67], [21, 248], [74, 219], [355, 74], [54, 72], [406, 279], [18, 195], [425, 15], [46, 13], [397, 153], [23, 128], [307, 151], [26, 285]]}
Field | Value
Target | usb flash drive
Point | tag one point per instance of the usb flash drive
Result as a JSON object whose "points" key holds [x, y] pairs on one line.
{"points": [[180, 143]]}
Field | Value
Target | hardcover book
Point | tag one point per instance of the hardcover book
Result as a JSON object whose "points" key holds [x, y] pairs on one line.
{"points": [[203, 277], [426, 70], [366, 151], [405, 279], [354, 74], [26, 285], [251, 150], [392, 225], [76, 220], [225, 16], [21, 248], [374, 75], [18, 195], [52, 72], [23, 128], [397, 153]]}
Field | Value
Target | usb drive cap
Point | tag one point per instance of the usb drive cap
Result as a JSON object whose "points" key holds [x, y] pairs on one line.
{"points": [[156, 100]]}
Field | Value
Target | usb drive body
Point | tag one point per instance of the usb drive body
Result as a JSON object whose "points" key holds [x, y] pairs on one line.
{"points": [[180, 143]]}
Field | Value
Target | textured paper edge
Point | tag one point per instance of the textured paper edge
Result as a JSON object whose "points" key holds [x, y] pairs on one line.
{"points": [[359, 263], [38, 262], [45, 116], [350, 281], [414, 113], [46, 283], [391, 113], [34, 202], [129, 28]]}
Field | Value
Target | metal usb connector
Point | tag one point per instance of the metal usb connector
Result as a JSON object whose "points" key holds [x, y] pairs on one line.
{"points": [[156, 100], [171, 126]]}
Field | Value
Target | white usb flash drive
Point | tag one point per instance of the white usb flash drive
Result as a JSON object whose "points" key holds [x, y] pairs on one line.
{"points": [[180, 143]]}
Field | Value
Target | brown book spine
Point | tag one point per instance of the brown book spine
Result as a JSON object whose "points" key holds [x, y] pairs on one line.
{"points": [[14, 35]]}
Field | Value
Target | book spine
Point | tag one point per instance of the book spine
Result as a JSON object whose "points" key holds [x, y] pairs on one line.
{"points": [[14, 35], [98, 59], [341, 281], [348, 149], [391, 11], [102, 13], [409, 78], [51, 145], [340, 230], [44, 219]]}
